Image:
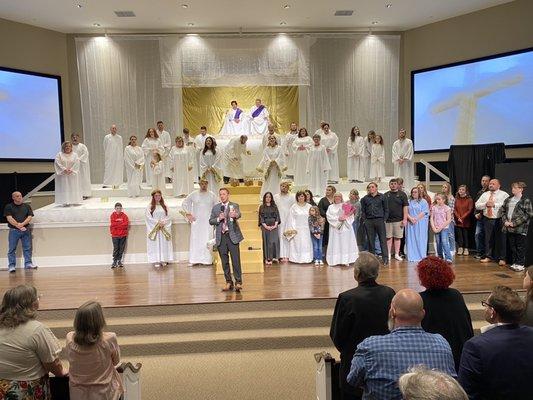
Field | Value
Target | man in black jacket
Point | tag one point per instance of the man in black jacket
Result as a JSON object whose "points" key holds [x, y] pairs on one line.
{"points": [[359, 313]]}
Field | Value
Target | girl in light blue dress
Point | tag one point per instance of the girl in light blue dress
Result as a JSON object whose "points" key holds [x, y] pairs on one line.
{"points": [[416, 237]]}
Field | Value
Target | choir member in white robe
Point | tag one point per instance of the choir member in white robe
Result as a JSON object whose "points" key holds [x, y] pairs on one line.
{"points": [[320, 130], [318, 166], [181, 165], [67, 183], [199, 142], [235, 122], [259, 119], [211, 164], [301, 146], [166, 142], [197, 207], [271, 132], [232, 159], [342, 245], [288, 150], [113, 159], [158, 231], [85, 169], [377, 159], [402, 159], [158, 173], [271, 166], [284, 200], [151, 144], [356, 159], [134, 162], [330, 141], [369, 141], [191, 147], [300, 246]]}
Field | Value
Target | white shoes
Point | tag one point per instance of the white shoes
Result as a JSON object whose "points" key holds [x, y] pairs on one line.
{"points": [[317, 263], [465, 252], [460, 251], [157, 265], [398, 258], [517, 268]]}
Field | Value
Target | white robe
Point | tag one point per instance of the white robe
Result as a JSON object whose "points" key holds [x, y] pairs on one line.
{"points": [[182, 179], [264, 142], [331, 142], [289, 151], [160, 249], [67, 187], [377, 161], [199, 143], [301, 178], [213, 161], [149, 146], [272, 165], [284, 203], [191, 147], [114, 160], [234, 128], [356, 159], [317, 168], [166, 142], [300, 247], [158, 176], [134, 161], [200, 204], [232, 162], [367, 154], [404, 148], [259, 124], [342, 245], [85, 169]]}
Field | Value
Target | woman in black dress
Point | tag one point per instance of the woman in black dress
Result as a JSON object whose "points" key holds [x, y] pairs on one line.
{"points": [[269, 221]]}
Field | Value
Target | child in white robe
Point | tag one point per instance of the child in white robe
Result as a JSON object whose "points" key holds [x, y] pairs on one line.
{"points": [[158, 172], [377, 159]]}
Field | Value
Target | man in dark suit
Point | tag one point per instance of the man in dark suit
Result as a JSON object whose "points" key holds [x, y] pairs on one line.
{"points": [[359, 313], [228, 235], [498, 363]]}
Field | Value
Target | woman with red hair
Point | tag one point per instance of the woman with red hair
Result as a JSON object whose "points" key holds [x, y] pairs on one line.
{"points": [[445, 308], [159, 231]]}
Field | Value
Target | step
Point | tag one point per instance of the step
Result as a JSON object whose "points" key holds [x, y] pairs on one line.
{"points": [[241, 190]]}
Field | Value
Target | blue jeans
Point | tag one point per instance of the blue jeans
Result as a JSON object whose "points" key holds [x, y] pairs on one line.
{"points": [[25, 237], [443, 244], [451, 237], [317, 248], [480, 237]]}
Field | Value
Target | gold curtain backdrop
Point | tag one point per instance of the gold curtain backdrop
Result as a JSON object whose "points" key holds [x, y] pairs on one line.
{"points": [[208, 105]]}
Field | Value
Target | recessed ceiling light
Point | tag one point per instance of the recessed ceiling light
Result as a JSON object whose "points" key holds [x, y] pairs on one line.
{"points": [[184, 6], [97, 24], [287, 6], [79, 5], [375, 22], [388, 5], [283, 23], [190, 24]]}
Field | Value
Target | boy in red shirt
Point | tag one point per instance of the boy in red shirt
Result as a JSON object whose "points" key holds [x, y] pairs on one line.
{"points": [[119, 233]]}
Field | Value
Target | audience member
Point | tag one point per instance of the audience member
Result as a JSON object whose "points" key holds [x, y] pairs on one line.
{"points": [[374, 212], [528, 286], [359, 313], [464, 205], [424, 384], [379, 361], [480, 230], [446, 311], [397, 203]]}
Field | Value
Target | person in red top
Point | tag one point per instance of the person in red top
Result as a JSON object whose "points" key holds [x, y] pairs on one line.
{"points": [[119, 234], [464, 206]]}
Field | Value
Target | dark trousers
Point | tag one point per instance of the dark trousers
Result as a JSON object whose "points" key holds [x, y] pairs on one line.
{"points": [[377, 226], [226, 249], [517, 244], [480, 237], [494, 239], [119, 244], [461, 237]]}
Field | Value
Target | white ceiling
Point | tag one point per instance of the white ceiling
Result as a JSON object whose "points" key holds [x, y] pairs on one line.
{"points": [[230, 15]]}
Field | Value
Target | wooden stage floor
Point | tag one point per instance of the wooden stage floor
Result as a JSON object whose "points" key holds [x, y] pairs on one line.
{"points": [[138, 285]]}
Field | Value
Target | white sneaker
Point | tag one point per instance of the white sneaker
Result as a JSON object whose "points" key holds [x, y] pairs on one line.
{"points": [[518, 268], [397, 257], [460, 251], [157, 265], [320, 262], [317, 263], [465, 252]]}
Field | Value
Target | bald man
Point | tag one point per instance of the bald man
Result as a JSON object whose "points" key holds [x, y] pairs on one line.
{"points": [[379, 361], [18, 215]]}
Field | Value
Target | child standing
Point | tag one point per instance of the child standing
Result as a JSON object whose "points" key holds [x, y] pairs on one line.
{"points": [[158, 172], [377, 159], [441, 216], [316, 227], [119, 234]]}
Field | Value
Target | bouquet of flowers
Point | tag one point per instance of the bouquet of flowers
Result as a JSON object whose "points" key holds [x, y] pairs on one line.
{"points": [[347, 210], [290, 234]]}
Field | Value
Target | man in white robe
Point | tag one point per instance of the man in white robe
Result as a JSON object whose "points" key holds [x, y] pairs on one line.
{"points": [[113, 158], [288, 150], [166, 142], [271, 132], [197, 207], [284, 200], [232, 164], [235, 122], [85, 170], [199, 142], [330, 140], [259, 119], [402, 159]]}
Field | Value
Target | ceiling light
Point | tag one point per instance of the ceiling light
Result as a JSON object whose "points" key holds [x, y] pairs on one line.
{"points": [[375, 22], [287, 6], [190, 24], [184, 6], [97, 24], [283, 23], [388, 5], [79, 5]]}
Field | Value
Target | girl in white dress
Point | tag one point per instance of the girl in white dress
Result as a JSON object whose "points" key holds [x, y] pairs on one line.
{"points": [[377, 159], [369, 141], [211, 164], [301, 146], [67, 185], [158, 231], [356, 156], [272, 166], [150, 145], [157, 167], [300, 246], [134, 161], [181, 165], [342, 245]]}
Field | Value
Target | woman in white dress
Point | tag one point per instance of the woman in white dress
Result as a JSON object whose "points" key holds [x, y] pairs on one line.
{"points": [[369, 141], [150, 145], [211, 164], [342, 245], [67, 185], [356, 156], [272, 166], [157, 166], [318, 167], [181, 165], [377, 159], [159, 232], [301, 146], [134, 161], [300, 246]]}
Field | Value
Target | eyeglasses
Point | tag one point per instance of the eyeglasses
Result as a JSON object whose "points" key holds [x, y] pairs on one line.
{"points": [[485, 304]]}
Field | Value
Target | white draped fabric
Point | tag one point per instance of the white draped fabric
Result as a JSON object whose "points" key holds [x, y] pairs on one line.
{"points": [[114, 160], [67, 183], [150, 146], [284, 203], [300, 247], [199, 205], [330, 141], [289, 151], [85, 169], [235, 126], [160, 249], [232, 162], [272, 165], [259, 123], [181, 163], [377, 161], [342, 245], [134, 162], [318, 168], [211, 169], [301, 147], [356, 161], [403, 149], [166, 143]]}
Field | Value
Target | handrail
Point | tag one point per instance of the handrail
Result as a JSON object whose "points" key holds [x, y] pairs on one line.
{"points": [[127, 365], [429, 168], [39, 187]]}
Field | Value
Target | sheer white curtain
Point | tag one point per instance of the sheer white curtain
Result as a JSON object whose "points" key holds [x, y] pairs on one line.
{"points": [[354, 81]]}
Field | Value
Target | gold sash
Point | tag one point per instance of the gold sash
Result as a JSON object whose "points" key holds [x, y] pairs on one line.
{"points": [[153, 234]]}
